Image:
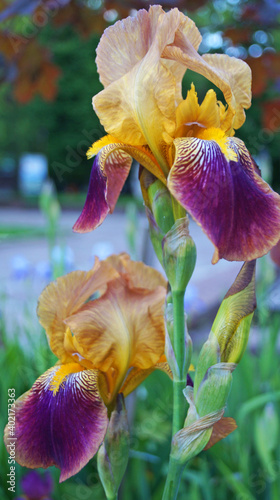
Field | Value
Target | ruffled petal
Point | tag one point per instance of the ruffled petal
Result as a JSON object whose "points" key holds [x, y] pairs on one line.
{"points": [[108, 175], [141, 90], [232, 76], [65, 296], [219, 185], [136, 274], [122, 329], [61, 421], [125, 43]]}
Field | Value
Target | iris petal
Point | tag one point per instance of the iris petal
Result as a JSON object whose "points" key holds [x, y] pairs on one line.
{"points": [[141, 89], [65, 296], [231, 75], [237, 210], [125, 327], [136, 376], [108, 175], [63, 426]]}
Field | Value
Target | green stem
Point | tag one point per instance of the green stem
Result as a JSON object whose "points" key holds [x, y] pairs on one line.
{"points": [[173, 480], [179, 402]]}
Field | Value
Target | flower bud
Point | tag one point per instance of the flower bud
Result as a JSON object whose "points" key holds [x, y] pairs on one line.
{"points": [[179, 255], [159, 209], [232, 324], [113, 454], [208, 356], [158, 199], [190, 441], [213, 391], [155, 234]]}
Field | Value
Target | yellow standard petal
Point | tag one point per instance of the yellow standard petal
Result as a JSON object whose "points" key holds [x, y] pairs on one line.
{"points": [[64, 297], [141, 89], [125, 327]]}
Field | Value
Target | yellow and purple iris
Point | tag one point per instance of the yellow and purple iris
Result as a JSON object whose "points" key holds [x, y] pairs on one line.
{"points": [[189, 146], [106, 327]]}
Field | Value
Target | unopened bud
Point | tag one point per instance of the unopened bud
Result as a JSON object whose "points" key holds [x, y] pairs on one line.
{"points": [[179, 255], [190, 441], [213, 391], [208, 356], [160, 202], [113, 454], [232, 324], [155, 234]]}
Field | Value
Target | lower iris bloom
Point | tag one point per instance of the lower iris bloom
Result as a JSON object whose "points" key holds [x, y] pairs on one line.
{"points": [[36, 486], [189, 146], [106, 327]]}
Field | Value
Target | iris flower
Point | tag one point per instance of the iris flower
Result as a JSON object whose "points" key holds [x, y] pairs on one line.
{"points": [[189, 146], [106, 327], [36, 486]]}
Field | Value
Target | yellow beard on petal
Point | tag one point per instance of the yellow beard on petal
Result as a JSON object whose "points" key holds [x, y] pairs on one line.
{"points": [[61, 374], [219, 136]]}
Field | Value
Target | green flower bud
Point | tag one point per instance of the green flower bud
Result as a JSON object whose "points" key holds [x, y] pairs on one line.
{"points": [[161, 205], [192, 439], [232, 324], [213, 391], [155, 234], [179, 255], [113, 454], [159, 209], [208, 356]]}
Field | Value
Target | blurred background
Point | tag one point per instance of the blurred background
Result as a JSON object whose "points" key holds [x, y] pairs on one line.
{"points": [[47, 79]]}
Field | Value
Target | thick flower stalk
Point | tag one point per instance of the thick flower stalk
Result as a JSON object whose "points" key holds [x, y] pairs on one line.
{"points": [[106, 327], [189, 146], [205, 425]]}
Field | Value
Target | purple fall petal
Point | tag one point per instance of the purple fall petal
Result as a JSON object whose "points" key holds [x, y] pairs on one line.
{"points": [[108, 175], [63, 428], [237, 210]]}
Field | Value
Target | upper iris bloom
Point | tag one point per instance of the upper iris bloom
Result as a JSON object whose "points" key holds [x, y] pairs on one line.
{"points": [[106, 327], [189, 146]]}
